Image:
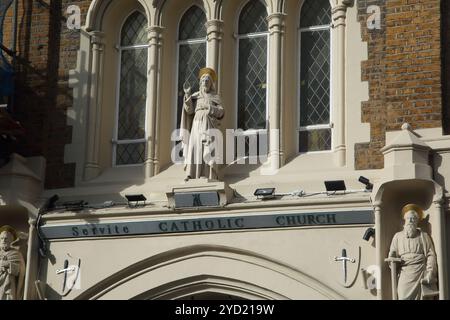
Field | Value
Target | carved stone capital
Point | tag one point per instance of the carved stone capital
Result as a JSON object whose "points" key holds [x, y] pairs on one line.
{"points": [[439, 202], [214, 29], [97, 38], [155, 35], [336, 3], [276, 22], [339, 11]]}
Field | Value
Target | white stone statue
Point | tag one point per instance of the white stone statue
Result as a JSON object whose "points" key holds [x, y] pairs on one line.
{"points": [[12, 266], [416, 257], [202, 112]]}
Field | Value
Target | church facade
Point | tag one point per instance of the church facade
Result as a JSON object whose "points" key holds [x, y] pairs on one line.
{"points": [[335, 118]]}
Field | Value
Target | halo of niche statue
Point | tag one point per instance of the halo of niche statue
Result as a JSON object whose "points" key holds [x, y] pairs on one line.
{"points": [[412, 259], [201, 114], [12, 265]]}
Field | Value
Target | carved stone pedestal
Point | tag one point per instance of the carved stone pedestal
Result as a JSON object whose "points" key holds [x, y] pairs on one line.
{"points": [[200, 186]]}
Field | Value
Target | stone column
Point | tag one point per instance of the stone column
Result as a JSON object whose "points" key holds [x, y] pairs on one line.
{"points": [[276, 36], [92, 166], [441, 248], [380, 243], [154, 54], [339, 15], [214, 37], [32, 262]]}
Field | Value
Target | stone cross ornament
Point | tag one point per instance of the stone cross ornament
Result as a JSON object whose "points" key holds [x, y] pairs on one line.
{"points": [[344, 259]]}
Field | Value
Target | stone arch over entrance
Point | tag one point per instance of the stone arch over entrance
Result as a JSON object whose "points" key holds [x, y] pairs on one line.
{"points": [[214, 270]]}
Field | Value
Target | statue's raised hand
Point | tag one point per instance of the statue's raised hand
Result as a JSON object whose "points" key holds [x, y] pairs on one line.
{"points": [[187, 89]]}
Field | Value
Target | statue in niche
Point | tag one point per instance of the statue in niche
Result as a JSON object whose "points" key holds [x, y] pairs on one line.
{"points": [[201, 114], [12, 265], [412, 251]]}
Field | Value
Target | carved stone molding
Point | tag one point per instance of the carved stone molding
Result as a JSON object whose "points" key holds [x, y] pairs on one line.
{"points": [[276, 22], [155, 35], [339, 11], [97, 37], [214, 29]]}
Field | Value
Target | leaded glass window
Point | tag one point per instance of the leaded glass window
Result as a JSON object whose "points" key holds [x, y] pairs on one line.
{"points": [[129, 148], [314, 120], [252, 74], [191, 52]]}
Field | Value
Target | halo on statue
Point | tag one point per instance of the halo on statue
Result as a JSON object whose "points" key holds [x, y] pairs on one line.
{"points": [[415, 208], [11, 230], [209, 71]]}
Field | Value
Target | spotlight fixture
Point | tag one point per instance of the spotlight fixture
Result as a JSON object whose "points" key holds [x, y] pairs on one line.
{"points": [[135, 199], [365, 181], [368, 234], [335, 185], [265, 193]]}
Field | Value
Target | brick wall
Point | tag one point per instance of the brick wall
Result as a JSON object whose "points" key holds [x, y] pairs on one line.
{"points": [[47, 50], [403, 70]]}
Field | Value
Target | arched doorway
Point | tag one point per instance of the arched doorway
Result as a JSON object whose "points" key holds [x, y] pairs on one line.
{"points": [[209, 272]]}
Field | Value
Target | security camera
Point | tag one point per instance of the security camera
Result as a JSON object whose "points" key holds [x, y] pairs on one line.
{"points": [[368, 234], [365, 181]]}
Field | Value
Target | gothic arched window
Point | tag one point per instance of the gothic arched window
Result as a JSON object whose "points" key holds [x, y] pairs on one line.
{"points": [[315, 111], [191, 52], [252, 74], [129, 148]]}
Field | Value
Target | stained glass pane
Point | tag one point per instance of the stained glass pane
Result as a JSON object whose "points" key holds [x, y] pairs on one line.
{"points": [[315, 78], [192, 57], [134, 30], [252, 83], [253, 18], [192, 24], [315, 13], [315, 140], [133, 84], [130, 153]]}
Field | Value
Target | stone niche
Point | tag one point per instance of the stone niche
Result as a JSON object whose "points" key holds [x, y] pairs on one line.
{"points": [[406, 178]]}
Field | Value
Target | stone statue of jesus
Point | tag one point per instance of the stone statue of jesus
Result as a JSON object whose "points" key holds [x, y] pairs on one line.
{"points": [[202, 112]]}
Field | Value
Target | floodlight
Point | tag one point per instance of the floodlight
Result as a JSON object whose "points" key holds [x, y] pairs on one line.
{"points": [[264, 193], [335, 185], [136, 198]]}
